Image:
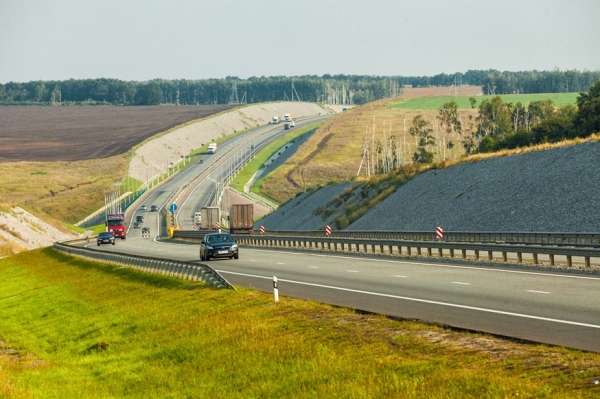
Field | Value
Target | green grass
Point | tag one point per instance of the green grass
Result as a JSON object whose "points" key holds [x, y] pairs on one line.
{"points": [[262, 156], [560, 99], [79, 329], [94, 229]]}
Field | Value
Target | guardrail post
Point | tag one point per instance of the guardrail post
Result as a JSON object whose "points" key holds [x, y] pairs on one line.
{"points": [[464, 253], [418, 251], [535, 258], [490, 255], [477, 254], [504, 256], [440, 252], [409, 250], [520, 257], [452, 252], [552, 260], [569, 260], [587, 262], [429, 251]]}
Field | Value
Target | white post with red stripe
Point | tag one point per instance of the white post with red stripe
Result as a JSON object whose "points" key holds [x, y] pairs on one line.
{"points": [[439, 233], [328, 230]]}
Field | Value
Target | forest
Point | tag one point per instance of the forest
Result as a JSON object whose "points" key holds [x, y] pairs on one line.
{"points": [[332, 89]]}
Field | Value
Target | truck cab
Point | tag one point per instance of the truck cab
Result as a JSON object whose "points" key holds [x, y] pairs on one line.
{"points": [[212, 148], [115, 224]]}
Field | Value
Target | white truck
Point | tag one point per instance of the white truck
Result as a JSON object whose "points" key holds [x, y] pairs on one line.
{"points": [[275, 120], [287, 117], [212, 148]]}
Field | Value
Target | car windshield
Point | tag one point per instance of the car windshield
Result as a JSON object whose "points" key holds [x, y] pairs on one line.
{"points": [[218, 238], [105, 235]]}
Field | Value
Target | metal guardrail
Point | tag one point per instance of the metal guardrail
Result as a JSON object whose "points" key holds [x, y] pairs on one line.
{"points": [[174, 268], [411, 248], [526, 238]]}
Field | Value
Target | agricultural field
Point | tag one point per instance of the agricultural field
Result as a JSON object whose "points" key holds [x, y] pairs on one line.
{"points": [[69, 133], [560, 99], [124, 339], [334, 152]]}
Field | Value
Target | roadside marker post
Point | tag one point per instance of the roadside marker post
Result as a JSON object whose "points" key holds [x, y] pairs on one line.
{"points": [[261, 229], [439, 233], [275, 290], [328, 230]]}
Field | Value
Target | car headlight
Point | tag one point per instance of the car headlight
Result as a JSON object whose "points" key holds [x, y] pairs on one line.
{"points": [[209, 247], [234, 247]]}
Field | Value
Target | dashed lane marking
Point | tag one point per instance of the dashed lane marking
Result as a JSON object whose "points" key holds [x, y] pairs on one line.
{"points": [[539, 292], [460, 283]]}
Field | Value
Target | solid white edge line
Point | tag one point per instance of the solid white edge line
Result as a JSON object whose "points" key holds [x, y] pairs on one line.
{"points": [[539, 292], [406, 262], [427, 301]]}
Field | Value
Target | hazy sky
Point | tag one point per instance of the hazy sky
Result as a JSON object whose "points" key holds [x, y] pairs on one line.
{"points": [[139, 40]]}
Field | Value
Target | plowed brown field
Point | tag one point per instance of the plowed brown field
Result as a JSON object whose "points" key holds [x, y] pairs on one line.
{"points": [[69, 133]]}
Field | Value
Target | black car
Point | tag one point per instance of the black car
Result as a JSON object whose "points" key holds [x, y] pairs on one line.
{"points": [[218, 245], [105, 238], [139, 219], [153, 208]]}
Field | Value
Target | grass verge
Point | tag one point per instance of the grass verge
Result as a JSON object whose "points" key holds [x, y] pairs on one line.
{"points": [[559, 99], [267, 152], [73, 328]]}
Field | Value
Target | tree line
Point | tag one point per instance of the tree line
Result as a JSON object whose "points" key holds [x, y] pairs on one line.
{"points": [[506, 125], [333, 89]]}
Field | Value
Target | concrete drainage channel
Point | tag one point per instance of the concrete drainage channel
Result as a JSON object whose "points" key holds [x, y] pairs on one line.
{"points": [[173, 268]]}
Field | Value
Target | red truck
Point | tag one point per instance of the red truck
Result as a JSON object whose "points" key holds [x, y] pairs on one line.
{"points": [[115, 223]]}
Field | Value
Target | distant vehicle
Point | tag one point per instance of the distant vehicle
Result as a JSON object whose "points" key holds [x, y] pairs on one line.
{"points": [[275, 120], [115, 223], [146, 232], [286, 125], [143, 208], [292, 123], [241, 218], [287, 117], [212, 148], [210, 218], [197, 218], [136, 225], [153, 208], [218, 245], [105, 238], [139, 219]]}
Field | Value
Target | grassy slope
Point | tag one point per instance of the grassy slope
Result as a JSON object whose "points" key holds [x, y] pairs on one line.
{"points": [[267, 152], [334, 152], [161, 337], [436, 102], [64, 191]]}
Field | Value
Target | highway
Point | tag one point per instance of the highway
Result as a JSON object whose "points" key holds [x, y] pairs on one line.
{"points": [[549, 307]]}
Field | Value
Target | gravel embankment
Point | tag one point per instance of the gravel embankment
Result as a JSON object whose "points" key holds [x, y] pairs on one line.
{"points": [[553, 191], [299, 212]]}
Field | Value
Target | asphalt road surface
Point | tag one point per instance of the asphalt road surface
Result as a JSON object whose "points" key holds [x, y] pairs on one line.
{"points": [[548, 307]]}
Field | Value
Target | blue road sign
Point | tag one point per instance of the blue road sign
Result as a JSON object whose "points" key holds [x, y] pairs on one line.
{"points": [[173, 207]]}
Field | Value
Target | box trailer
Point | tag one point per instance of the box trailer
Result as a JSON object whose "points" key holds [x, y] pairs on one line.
{"points": [[241, 218], [210, 218]]}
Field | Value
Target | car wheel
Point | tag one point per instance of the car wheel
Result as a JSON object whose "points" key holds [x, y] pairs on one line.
{"points": [[236, 256], [98, 243], [113, 243]]}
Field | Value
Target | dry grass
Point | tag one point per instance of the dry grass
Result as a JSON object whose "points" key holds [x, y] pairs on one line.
{"points": [[60, 191], [334, 152]]}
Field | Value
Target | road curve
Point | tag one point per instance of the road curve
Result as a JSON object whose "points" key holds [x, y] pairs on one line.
{"points": [[548, 307]]}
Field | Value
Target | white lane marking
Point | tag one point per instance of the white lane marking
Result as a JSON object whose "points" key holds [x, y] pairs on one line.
{"points": [[431, 264], [539, 292], [313, 267], [427, 301], [351, 271], [399, 276], [280, 263], [460, 283], [252, 260]]}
